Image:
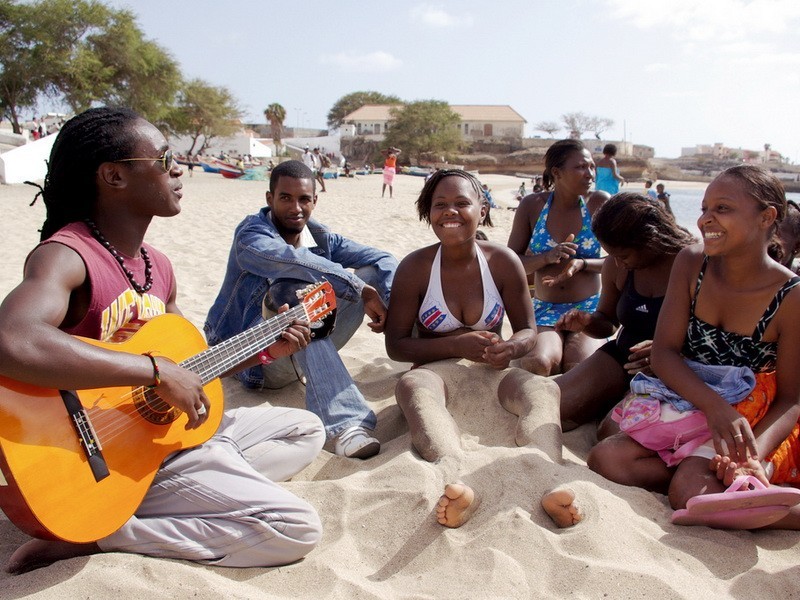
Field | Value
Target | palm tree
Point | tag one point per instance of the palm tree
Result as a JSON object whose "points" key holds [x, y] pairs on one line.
{"points": [[275, 114]]}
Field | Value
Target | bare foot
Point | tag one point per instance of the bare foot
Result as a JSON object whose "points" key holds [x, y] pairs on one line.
{"points": [[35, 554], [561, 506], [456, 505]]}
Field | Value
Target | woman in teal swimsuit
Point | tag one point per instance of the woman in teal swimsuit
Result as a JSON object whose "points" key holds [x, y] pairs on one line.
{"points": [[553, 237]]}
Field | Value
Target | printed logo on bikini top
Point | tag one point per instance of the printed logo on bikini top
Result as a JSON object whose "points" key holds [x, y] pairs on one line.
{"points": [[432, 318], [642, 308], [127, 314]]}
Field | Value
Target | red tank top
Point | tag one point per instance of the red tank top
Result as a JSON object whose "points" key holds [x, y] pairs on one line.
{"points": [[391, 161], [116, 311]]}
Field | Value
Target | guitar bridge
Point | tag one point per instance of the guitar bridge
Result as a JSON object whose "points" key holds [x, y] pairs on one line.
{"points": [[86, 434]]}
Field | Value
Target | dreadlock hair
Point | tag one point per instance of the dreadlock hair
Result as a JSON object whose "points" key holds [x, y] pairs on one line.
{"points": [[291, 168], [86, 141], [426, 195], [556, 156], [630, 220], [792, 226]]}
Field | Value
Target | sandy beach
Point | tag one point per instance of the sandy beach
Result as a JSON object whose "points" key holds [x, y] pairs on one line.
{"points": [[381, 539]]}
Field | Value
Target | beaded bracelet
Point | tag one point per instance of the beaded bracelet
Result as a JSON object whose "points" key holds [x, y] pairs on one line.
{"points": [[265, 357], [156, 372]]}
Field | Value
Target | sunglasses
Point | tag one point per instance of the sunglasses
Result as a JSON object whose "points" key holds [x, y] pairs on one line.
{"points": [[167, 160]]}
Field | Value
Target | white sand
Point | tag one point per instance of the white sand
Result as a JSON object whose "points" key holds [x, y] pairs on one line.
{"points": [[381, 539]]}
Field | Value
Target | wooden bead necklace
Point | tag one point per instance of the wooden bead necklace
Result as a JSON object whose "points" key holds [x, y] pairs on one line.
{"points": [[148, 266]]}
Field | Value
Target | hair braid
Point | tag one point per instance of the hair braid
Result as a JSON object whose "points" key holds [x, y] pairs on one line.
{"points": [[86, 141]]}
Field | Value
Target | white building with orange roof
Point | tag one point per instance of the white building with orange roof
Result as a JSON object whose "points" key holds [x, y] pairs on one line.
{"points": [[478, 122]]}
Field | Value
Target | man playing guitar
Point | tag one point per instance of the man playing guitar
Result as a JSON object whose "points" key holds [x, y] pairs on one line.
{"points": [[110, 172]]}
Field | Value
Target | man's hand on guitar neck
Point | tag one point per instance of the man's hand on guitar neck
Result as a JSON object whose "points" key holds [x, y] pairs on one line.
{"points": [[294, 338]]}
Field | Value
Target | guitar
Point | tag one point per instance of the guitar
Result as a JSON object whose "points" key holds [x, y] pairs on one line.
{"points": [[75, 465]]}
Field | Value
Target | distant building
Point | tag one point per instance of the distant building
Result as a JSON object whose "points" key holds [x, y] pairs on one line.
{"points": [[719, 150], [478, 122]]}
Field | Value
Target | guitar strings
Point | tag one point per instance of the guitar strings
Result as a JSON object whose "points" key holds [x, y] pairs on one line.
{"points": [[111, 422]]}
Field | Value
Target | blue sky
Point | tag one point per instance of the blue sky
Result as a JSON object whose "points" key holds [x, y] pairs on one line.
{"points": [[670, 73]]}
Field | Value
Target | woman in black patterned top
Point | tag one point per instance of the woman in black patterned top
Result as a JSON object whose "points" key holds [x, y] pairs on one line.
{"points": [[728, 303]]}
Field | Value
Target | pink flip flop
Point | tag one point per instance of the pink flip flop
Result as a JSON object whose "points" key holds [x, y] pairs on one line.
{"points": [[753, 507]]}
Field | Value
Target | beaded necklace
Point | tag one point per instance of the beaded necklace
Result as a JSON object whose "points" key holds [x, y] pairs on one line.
{"points": [[148, 266]]}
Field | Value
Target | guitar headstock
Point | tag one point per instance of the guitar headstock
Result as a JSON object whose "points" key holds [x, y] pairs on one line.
{"points": [[318, 300]]}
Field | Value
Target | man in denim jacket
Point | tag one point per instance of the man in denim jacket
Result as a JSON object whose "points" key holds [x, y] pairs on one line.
{"points": [[279, 250]]}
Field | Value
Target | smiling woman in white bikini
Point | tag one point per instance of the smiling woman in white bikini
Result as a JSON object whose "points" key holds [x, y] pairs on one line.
{"points": [[448, 302]]}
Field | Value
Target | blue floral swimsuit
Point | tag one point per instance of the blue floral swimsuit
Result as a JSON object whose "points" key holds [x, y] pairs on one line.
{"points": [[547, 313]]}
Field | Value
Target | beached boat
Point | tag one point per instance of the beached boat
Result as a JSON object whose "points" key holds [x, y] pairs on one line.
{"points": [[208, 168], [229, 172], [417, 171]]}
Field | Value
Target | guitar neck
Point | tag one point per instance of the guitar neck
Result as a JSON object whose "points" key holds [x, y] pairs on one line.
{"points": [[219, 359]]}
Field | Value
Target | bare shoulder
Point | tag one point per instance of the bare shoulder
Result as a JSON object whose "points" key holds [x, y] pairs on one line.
{"points": [[497, 253], [596, 200], [55, 263], [533, 203], [417, 262]]}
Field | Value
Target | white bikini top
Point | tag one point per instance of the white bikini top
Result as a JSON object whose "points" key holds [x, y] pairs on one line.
{"points": [[433, 312]]}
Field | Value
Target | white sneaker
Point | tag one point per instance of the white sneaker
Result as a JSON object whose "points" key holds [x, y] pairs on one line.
{"points": [[356, 442]]}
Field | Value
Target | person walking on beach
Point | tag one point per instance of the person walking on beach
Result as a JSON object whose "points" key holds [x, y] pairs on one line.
{"points": [[110, 172], [608, 177], [389, 168], [274, 252]]}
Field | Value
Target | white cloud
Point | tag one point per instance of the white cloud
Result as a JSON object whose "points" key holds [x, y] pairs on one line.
{"points": [[373, 62], [710, 20], [657, 67], [434, 16]]}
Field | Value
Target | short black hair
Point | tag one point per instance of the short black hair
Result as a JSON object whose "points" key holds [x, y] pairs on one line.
{"points": [[290, 168]]}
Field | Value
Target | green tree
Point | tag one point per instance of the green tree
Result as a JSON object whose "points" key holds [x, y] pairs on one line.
{"points": [[424, 127], [204, 110], [347, 104], [38, 42], [276, 115], [117, 65]]}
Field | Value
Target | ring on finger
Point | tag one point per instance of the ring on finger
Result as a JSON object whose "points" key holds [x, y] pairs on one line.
{"points": [[738, 436], [201, 411]]}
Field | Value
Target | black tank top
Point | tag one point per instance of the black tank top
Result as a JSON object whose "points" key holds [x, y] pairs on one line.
{"points": [[637, 316]]}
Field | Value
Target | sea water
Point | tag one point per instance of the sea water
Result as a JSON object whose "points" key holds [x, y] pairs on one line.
{"points": [[686, 203]]}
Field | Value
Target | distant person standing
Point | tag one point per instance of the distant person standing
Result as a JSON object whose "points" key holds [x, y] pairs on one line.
{"points": [[537, 184], [662, 195], [389, 168], [649, 191], [608, 178], [190, 164], [320, 163], [308, 158], [521, 192]]}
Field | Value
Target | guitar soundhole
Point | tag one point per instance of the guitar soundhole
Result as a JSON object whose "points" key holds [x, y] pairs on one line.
{"points": [[153, 408]]}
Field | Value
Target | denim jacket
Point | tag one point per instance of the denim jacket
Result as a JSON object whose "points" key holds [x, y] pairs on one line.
{"points": [[259, 256], [733, 384]]}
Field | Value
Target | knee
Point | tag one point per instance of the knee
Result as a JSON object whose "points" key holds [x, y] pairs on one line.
{"points": [[302, 536], [540, 363]]}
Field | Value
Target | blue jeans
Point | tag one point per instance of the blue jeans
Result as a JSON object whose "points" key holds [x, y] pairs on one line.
{"points": [[331, 393]]}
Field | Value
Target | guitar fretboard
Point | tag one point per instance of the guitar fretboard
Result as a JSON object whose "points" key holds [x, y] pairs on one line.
{"points": [[219, 359]]}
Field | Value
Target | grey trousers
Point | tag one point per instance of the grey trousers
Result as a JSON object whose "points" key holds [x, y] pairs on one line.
{"points": [[218, 503]]}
